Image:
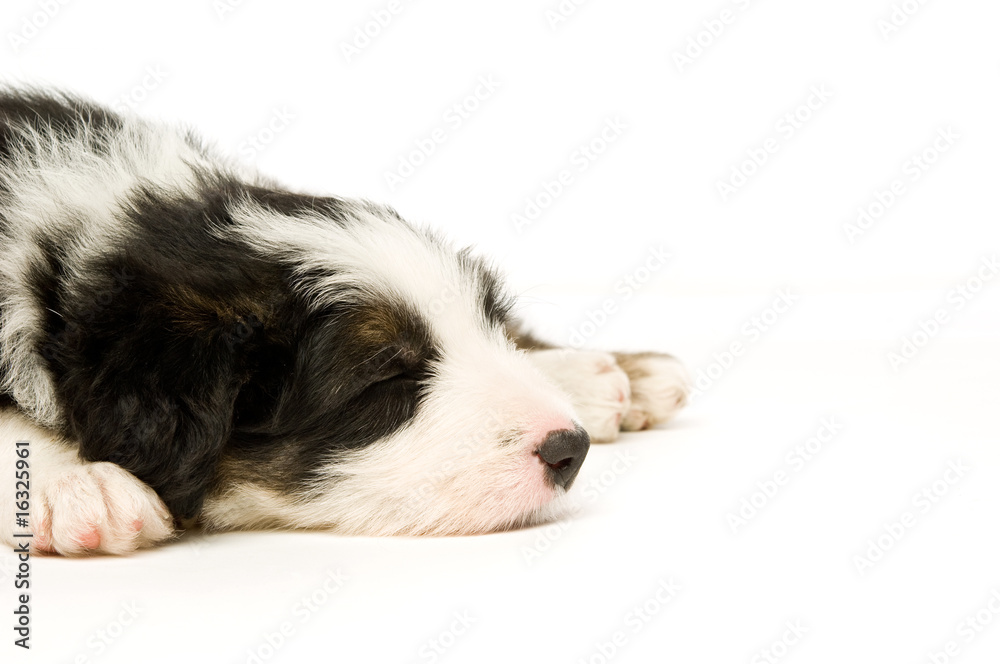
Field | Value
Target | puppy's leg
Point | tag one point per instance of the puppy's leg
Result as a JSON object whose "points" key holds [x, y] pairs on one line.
{"points": [[76, 507]]}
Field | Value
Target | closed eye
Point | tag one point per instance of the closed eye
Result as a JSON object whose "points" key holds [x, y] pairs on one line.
{"points": [[403, 375], [394, 387], [396, 368]]}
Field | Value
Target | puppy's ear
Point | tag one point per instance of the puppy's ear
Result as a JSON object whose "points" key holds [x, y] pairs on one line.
{"points": [[155, 393]]}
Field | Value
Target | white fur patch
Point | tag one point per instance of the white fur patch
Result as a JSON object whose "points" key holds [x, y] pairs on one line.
{"points": [[374, 254]]}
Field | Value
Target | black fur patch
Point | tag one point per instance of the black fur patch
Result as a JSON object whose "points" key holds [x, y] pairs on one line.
{"points": [[151, 349], [179, 349], [357, 375], [62, 111]]}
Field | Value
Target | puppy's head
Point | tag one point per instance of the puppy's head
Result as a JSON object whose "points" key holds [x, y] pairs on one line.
{"points": [[398, 405]]}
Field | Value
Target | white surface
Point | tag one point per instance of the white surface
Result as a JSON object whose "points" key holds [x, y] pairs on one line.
{"points": [[664, 517]]}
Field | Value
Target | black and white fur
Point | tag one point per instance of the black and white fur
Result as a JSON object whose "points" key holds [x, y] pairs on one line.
{"points": [[182, 340]]}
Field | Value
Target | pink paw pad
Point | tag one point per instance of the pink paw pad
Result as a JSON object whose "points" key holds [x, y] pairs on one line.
{"points": [[90, 539]]}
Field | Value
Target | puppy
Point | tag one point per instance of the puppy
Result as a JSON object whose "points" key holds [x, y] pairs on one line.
{"points": [[183, 340]]}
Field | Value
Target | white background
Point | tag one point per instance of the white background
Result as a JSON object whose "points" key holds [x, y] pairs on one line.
{"points": [[560, 594]]}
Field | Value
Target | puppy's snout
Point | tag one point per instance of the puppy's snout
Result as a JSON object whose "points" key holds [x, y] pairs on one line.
{"points": [[563, 452]]}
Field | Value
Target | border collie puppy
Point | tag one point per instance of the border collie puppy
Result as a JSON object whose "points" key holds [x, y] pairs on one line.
{"points": [[184, 341]]}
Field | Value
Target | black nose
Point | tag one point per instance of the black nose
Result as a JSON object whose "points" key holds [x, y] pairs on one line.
{"points": [[563, 453]]}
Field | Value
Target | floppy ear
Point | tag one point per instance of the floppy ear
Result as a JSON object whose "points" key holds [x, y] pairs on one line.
{"points": [[155, 392]]}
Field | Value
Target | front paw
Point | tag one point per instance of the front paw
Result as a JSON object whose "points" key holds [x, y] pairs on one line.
{"points": [[98, 508], [660, 388]]}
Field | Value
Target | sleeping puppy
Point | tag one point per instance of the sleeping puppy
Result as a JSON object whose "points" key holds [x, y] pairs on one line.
{"points": [[182, 341]]}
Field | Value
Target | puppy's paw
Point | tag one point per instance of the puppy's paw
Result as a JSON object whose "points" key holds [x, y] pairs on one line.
{"points": [[660, 387], [597, 386], [97, 508]]}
